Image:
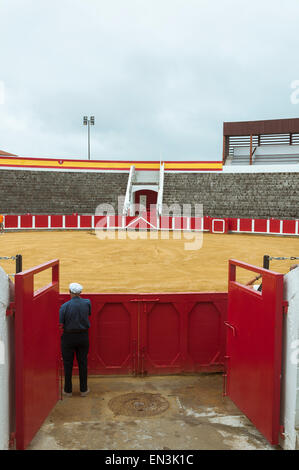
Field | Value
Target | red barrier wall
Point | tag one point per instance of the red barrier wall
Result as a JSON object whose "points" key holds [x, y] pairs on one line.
{"points": [[148, 221], [156, 333]]}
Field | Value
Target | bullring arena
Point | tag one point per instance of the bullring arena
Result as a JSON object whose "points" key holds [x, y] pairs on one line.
{"points": [[145, 265], [183, 354]]}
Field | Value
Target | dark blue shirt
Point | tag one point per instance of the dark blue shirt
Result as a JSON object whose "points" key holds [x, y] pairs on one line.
{"points": [[73, 315]]}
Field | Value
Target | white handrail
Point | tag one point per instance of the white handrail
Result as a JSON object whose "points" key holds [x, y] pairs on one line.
{"points": [[160, 190], [127, 201]]}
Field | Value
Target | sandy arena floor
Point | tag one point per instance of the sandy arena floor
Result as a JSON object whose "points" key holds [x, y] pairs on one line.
{"points": [[143, 265]]}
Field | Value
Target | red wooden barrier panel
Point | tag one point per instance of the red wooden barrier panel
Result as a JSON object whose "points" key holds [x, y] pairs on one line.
{"points": [[156, 333], [100, 221], [41, 221], [245, 225], [56, 221], [11, 221], [289, 227], [274, 225], [26, 221], [197, 223], [219, 225], [86, 221], [36, 349], [71, 221], [254, 342], [260, 225]]}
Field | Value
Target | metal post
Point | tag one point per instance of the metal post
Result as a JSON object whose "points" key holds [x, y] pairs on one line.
{"points": [[19, 264], [266, 262], [88, 121], [88, 139], [224, 150]]}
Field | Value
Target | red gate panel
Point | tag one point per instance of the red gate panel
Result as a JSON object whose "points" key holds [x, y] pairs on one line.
{"points": [[112, 334], [160, 334], [36, 349], [156, 333], [254, 342], [182, 332]]}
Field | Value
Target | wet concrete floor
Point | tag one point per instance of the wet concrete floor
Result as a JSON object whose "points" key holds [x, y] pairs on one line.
{"points": [[197, 417]]}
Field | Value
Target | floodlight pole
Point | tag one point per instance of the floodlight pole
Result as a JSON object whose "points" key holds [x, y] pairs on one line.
{"points": [[88, 121], [88, 139]]}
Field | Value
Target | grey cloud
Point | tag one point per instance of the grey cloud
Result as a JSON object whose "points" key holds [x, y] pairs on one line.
{"points": [[160, 77]]}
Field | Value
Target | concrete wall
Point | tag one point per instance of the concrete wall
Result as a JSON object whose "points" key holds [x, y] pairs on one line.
{"points": [[290, 362], [6, 363]]}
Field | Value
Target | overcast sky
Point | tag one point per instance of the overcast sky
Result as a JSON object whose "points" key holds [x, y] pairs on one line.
{"points": [[160, 76]]}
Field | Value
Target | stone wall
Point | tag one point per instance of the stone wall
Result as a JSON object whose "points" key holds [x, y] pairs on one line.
{"points": [[55, 192], [246, 195], [258, 195]]}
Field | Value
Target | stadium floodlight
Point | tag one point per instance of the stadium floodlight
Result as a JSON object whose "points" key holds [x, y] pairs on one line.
{"points": [[88, 122]]}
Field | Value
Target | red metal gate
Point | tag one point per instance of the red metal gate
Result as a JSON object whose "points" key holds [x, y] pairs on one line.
{"points": [[142, 334], [254, 345], [36, 349]]}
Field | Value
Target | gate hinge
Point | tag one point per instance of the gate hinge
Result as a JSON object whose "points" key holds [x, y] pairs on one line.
{"points": [[12, 440], [282, 433], [285, 307], [10, 311]]}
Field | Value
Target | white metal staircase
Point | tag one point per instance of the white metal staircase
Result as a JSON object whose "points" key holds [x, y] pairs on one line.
{"points": [[138, 180]]}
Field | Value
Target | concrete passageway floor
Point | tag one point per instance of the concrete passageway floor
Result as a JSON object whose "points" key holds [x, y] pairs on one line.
{"points": [[197, 416]]}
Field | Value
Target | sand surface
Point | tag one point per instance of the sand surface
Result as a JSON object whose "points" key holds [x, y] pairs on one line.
{"points": [[143, 265]]}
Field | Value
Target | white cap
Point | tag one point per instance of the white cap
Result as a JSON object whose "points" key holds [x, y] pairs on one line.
{"points": [[75, 288]]}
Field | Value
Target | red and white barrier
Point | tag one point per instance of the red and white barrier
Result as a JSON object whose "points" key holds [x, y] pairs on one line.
{"points": [[149, 221]]}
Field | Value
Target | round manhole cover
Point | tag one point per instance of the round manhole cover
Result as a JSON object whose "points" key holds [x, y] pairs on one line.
{"points": [[138, 404]]}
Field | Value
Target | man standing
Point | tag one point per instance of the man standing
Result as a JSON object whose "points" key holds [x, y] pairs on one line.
{"points": [[74, 317]]}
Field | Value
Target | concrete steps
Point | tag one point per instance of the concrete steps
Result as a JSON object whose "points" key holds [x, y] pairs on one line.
{"points": [[259, 195]]}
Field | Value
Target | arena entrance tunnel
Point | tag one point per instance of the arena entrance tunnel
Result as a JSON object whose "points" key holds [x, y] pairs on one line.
{"points": [[238, 333]]}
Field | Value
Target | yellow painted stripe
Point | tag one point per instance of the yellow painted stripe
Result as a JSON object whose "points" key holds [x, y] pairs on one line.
{"points": [[107, 165], [193, 166], [75, 164]]}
